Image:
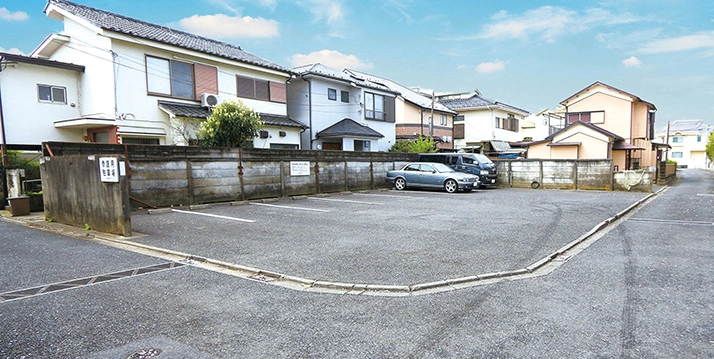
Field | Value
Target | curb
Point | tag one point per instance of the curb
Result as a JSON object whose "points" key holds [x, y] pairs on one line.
{"points": [[295, 282]]}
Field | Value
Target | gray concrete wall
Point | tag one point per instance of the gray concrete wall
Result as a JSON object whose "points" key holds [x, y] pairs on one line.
{"points": [[174, 175], [635, 181], [74, 194], [556, 174]]}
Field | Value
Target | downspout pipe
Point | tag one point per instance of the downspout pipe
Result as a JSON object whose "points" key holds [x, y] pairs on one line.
{"points": [[2, 126], [309, 107]]}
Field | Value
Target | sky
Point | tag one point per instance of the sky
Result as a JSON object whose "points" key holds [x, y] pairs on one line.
{"points": [[526, 53]]}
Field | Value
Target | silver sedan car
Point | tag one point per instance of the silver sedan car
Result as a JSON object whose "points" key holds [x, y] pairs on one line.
{"points": [[432, 175]]}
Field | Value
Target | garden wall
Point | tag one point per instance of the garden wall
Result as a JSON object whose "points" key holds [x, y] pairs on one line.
{"points": [[181, 175]]}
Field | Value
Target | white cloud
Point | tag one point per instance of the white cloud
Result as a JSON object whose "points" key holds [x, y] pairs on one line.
{"points": [[329, 10], [632, 62], [13, 50], [549, 22], [5, 14], [230, 27], [490, 67], [702, 40], [331, 58]]}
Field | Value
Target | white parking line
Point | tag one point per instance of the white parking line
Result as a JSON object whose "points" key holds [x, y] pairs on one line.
{"points": [[214, 216], [345, 200], [290, 207], [386, 195]]}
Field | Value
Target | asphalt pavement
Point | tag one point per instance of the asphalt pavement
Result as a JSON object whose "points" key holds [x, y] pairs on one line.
{"points": [[643, 289]]}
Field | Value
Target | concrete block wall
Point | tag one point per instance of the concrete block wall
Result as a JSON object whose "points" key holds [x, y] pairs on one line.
{"points": [[556, 174], [175, 175]]}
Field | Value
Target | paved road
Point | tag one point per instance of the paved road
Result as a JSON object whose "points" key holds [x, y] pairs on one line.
{"points": [[643, 290]]}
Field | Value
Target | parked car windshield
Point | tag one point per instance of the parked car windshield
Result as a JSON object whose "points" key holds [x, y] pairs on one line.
{"points": [[483, 159], [442, 168]]}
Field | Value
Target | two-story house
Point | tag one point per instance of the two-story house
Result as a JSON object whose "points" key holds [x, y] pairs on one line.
{"points": [[150, 84], [33, 93], [688, 139], [342, 111], [418, 115], [604, 122], [484, 125]]}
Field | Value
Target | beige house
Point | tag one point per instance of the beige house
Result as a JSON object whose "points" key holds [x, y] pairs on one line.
{"points": [[604, 122]]}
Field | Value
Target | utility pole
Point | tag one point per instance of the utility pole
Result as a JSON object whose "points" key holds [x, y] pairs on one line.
{"points": [[666, 150], [431, 118]]}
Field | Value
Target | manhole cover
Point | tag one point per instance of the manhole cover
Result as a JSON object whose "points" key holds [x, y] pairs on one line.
{"points": [[145, 353]]}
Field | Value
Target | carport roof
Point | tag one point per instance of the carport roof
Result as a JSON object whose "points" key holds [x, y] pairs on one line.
{"points": [[349, 128]]}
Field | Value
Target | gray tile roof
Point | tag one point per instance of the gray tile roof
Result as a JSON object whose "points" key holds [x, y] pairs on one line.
{"points": [[408, 94], [197, 111], [145, 30], [687, 126], [334, 74], [477, 101], [349, 127], [279, 120], [184, 110]]}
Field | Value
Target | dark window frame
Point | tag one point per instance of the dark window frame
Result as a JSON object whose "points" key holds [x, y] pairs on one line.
{"points": [[332, 94]]}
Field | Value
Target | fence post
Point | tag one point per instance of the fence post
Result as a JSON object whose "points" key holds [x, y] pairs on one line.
{"points": [[189, 181], [282, 179], [540, 177], [240, 173], [317, 173], [347, 179], [575, 173]]}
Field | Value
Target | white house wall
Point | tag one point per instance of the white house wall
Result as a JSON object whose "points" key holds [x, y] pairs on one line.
{"points": [[90, 50], [28, 121]]}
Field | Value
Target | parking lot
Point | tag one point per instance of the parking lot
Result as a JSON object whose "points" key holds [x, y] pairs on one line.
{"points": [[385, 237]]}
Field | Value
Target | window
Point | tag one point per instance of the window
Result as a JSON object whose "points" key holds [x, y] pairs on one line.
{"points": [[677, 155], [677, 139], [361, 146], [169, 77], [139, 141], [249, 87], [582, 117], [53, 94], [444, 120], [332, 94], [344, 96], [509, 124], [374, 107], [699, 138]]}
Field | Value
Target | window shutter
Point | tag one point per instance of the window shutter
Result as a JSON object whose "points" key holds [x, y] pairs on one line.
{"points": [[459, 131], [262, 90], [389, 109], [246, 87], [206, 80], [278, 92]]}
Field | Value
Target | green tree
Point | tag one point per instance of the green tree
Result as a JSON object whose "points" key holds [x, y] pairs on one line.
{"points": [[422, 145], [710, 147], [231, 124]]}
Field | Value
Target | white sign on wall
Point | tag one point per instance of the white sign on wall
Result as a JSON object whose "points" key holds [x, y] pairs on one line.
{"points": [[109, 169], [299, 168]]}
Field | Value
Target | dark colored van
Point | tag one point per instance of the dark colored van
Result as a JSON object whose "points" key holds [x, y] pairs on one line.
{"points": [[466, 162]]}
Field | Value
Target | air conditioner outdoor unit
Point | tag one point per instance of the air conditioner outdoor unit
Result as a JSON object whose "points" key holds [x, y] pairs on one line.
{"points": [[209, 100]]}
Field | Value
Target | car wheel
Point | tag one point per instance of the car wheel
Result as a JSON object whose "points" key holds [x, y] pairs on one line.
{"points": [[400, 184], [451, 186]]}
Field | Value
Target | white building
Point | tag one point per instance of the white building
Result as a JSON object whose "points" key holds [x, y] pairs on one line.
{"points": [[342, 111], [145, 83], [35, 93], [536, 127], [482, 124], [688, 140]]}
